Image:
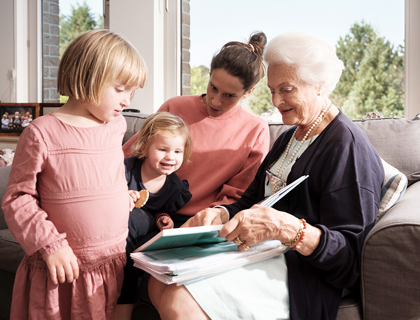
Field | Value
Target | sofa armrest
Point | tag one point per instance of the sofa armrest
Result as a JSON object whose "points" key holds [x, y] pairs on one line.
{"points": [[4, 177], [390, 262]]}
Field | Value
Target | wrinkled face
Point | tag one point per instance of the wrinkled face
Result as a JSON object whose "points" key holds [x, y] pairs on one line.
{"points": [[113, 100], [223, 92], [297, 101], [166, 154]]}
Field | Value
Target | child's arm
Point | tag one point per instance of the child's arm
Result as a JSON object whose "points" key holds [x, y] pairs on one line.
{"points": [[164, 221], [134, 196], [27, 221]]}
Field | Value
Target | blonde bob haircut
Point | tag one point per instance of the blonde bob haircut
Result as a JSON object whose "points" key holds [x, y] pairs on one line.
{"points": [[313, 57], [163, 123], [94, 61]]}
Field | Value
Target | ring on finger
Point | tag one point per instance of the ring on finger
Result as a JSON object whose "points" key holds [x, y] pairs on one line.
{"points": [[245, 246], [238, 242]]}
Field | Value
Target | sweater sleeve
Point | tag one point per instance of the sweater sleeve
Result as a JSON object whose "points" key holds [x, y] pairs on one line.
{"points": [[233, 189], [27, 221], [348, 206]]}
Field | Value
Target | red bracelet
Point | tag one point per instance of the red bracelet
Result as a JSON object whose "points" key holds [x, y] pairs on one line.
{"points": [[161, 215], [302, 236]]}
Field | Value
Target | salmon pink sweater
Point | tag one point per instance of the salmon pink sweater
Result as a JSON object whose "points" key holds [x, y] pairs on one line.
{"points": [[227, 151]]}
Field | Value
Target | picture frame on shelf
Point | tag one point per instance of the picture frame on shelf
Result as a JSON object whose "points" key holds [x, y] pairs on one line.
{"points": [[46, 108], [15, 117]]}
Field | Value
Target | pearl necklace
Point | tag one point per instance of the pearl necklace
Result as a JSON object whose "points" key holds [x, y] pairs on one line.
{"points": [[280, 183]]}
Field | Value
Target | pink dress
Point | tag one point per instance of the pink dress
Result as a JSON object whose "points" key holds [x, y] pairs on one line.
{"points": [[67, 187]]}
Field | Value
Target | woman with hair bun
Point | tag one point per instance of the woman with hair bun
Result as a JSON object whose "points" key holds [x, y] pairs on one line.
{"points": [[229, 142]]}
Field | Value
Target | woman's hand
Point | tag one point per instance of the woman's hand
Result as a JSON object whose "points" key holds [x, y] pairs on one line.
{"points": [[259, 224], [134, 196], [63, 265], [207, 217]]}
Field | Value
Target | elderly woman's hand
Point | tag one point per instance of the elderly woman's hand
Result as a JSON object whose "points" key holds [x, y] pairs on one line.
{"points": [[259, 224], [206, 217]]}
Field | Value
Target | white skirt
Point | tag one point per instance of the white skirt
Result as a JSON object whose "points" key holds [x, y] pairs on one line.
{"points": [[256, 291]]}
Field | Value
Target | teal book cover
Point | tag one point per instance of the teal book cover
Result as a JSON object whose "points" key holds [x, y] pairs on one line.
{"points": [[182, 237]]}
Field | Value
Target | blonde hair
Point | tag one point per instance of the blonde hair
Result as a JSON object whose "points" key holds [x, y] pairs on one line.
{"points": [[94, 60], [156, 124]]}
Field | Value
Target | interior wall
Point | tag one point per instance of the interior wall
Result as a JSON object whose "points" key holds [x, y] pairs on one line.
{"points": [[7, 51], [152, 26], [138, 25]]}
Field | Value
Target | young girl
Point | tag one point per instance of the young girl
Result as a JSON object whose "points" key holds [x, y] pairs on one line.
{"points": [[162, 146], [66, 201]]}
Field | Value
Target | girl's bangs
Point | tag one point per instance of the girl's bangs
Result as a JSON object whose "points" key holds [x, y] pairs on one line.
{"points": [[132, 70]]}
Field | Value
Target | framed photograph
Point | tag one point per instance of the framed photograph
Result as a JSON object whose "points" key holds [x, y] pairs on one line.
{"points": [[46, 108], [15, 117]]}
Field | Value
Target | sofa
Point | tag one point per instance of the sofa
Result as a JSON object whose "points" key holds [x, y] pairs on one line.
{"points": [[391, 252]]}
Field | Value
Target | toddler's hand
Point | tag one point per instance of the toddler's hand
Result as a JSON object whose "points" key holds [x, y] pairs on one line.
{"points": [[165, 222], [63, 265], [134, 196]]}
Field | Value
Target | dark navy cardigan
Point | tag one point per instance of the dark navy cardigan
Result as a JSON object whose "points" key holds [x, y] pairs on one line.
{"points": [[341, 197]]}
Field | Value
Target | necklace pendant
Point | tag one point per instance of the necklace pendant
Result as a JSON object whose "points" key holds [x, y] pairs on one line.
{"points": [[277, 184]]}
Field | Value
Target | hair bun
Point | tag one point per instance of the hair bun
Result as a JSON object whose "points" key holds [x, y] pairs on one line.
{"points": [[258, 40]]}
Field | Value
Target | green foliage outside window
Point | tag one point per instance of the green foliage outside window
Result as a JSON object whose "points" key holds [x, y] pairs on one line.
{"points": [[259, 101], [373, 79], [199, 79]]}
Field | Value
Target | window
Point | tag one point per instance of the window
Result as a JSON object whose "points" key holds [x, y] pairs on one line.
{"points": [[380, 26], [63, 20]]}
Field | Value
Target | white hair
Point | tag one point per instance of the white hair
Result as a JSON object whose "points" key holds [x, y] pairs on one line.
{"points": [[314, 58]]}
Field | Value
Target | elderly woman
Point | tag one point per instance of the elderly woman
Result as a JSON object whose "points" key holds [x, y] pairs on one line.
{"points": [[324, 220]]}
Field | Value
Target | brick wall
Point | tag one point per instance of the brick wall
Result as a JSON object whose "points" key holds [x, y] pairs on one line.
{"points": [[51, 52], [186, 42]]}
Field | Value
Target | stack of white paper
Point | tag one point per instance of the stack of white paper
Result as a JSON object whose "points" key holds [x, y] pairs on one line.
{"points": [[187, 264]]}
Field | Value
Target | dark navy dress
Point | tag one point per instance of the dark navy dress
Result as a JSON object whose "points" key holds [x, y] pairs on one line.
{"points": [[142, 221]]}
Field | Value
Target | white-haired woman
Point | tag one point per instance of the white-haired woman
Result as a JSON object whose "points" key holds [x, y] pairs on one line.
{"points": [[324, 220]]}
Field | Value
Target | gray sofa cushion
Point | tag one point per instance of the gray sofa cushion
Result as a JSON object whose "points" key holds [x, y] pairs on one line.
{"points": [[4, 176], [11, 252], [401, 148], [134, 123]]}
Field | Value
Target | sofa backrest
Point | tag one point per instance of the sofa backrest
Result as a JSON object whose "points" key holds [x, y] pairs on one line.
{"points": [[134, 123], [397, 140], [4, 177]]}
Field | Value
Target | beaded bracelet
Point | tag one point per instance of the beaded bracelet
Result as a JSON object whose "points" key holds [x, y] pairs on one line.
{"points": [[297, 237], [299, 244]]}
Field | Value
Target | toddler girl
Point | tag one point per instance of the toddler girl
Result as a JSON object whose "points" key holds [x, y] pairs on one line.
{"points": [[163, 144], [66, 201]]}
